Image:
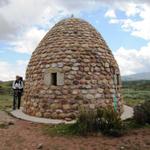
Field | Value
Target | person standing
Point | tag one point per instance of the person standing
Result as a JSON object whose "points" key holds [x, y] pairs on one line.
{"points": [[17, 92]]}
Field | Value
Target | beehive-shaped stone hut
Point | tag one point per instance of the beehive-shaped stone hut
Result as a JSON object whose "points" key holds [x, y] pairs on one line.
{"points": [[72, 67]]}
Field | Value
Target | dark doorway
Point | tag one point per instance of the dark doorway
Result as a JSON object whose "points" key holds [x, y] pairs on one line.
{"points": [[54, 78], [118, 79]]}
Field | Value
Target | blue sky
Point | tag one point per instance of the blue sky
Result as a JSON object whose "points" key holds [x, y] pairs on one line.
{"points": [[124, 24]]}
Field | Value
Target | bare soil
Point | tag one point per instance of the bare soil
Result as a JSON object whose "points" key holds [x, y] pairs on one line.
{"points": [[25, 135]]}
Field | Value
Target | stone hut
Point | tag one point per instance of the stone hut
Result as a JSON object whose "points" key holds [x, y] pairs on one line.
{"points": [[72, 67]]}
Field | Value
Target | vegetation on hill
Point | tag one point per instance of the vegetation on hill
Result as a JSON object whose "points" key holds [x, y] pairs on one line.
{"points": [[5, 87], [89, 122], [101, 121], [137, 76], [137, 85], [5, 95], [136, 92]]}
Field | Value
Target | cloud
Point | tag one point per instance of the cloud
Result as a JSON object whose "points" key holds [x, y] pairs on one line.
{"points": [[133, 61], [110, 13], [21, 14], [8, 71], [17, 23], [137, 19], [28, 41], [23, 23], [18, 15], [6, 29], [3, 2]]}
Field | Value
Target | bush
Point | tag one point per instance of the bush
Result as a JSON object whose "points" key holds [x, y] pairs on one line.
{"points": [[110, 122], [139, 115], [86, 122], [104, 120], [142, 113]]}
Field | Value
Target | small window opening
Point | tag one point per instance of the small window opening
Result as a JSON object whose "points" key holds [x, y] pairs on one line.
{"points": [[75, 32], [54, 78], [118, 79]]}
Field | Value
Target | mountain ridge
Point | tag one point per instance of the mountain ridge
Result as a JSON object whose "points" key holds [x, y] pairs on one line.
{"points": [[137, 76]]}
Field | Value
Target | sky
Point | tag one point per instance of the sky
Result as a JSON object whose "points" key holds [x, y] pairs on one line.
{"points": [[124, 24]]}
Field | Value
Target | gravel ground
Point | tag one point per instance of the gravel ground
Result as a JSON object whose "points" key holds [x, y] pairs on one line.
{"points": [[23, 135]]}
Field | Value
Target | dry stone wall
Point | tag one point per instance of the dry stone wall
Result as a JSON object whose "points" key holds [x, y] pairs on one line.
{"points": [[87, 73]]}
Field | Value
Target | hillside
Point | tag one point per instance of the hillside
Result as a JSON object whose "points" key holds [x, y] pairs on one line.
{"points": [[138, 76], [6, 95], [5, 87], [134, 92], [137, 85]]}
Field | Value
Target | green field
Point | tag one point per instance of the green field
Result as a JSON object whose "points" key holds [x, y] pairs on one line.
{"points": [[5, 102], [5, 95], [134, 93]]}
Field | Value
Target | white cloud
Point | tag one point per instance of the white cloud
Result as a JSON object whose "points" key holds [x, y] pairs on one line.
{"points": [[3, 2], [137, 21], [110, 13], [129, 8], [19, 17], [22, 62], [22, 14], [132, 61], [113, 21], [28, 41], [20, 21], [8, 71]]}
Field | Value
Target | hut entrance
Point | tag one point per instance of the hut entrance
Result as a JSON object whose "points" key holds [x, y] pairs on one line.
{"points": [[54, 78]]}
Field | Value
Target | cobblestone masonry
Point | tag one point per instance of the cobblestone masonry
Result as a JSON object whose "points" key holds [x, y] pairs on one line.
{"points": [[86, 73]]}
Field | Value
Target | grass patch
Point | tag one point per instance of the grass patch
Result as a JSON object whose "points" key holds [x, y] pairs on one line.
{"points": [[91, 122], [137, 85], [3, 126], [134, 97], [60, 129], [5, 102], [6, 87], [147, 126], [131, 124], [133, 102], [71, 129], [6, 95], [102, 120], [136, 92]]}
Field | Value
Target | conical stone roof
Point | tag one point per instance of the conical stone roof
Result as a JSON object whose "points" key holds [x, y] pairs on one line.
{"points": [[71, 67]]}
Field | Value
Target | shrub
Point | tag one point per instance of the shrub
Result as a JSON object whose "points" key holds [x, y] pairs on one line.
{"points": [[110, 122], [139, 115], [3, 125], [104, 120], [142, 113], [86, 122]]}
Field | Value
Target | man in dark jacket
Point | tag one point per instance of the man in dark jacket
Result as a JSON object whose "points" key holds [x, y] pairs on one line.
{"points": [[17, 88]]}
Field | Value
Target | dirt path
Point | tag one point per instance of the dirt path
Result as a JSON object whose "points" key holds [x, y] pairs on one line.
{"points": [[4, 117], [29, 136]]}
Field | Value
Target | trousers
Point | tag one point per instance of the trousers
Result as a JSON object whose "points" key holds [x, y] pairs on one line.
{"points": [[16, 99]]}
